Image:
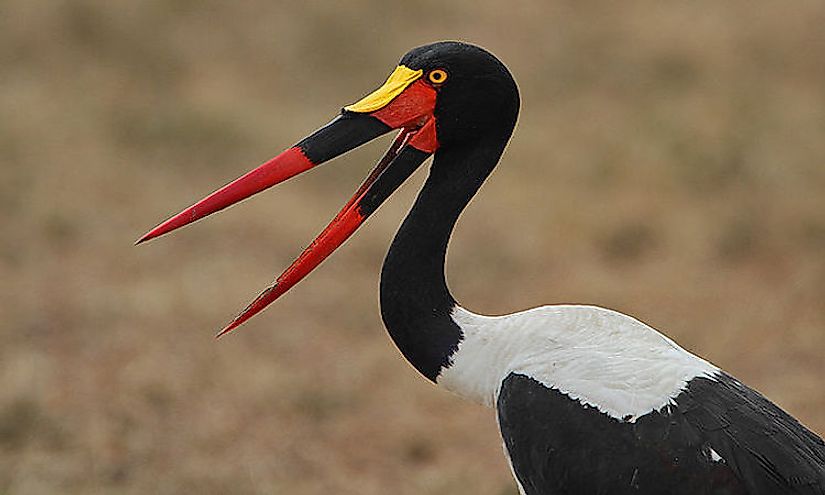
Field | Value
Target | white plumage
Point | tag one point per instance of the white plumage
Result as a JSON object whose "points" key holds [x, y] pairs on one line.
{"points": [[597, 356]]}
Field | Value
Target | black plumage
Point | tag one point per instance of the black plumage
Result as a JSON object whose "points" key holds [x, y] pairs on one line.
{"points": [[557, 445]]}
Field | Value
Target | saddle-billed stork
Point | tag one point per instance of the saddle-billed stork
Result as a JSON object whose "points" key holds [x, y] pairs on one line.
{"points": [[589, 401]]}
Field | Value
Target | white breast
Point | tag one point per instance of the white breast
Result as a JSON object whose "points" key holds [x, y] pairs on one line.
{"points": [[600, 357]]}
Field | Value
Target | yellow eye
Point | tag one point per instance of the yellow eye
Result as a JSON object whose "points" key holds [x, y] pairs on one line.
{"points": [[438, 76]]}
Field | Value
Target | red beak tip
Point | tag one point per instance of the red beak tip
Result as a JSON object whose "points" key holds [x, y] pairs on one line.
{"points": [[238, 321], [226, 330], [149, 236]]}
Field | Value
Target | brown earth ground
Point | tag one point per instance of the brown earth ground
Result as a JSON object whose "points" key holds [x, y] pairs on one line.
{"points": [[669, 163]]}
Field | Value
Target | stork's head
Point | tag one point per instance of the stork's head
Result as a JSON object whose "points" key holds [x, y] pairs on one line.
{"points": [[475, 93], [440, 96]]}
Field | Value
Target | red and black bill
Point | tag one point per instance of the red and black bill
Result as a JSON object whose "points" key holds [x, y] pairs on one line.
{"points": [[410, 109]]}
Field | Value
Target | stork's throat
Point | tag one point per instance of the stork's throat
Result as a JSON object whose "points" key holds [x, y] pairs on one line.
{"points": [[416, 303]]}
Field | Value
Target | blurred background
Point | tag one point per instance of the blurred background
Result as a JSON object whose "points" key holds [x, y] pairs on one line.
{"points": [[669, 162]]}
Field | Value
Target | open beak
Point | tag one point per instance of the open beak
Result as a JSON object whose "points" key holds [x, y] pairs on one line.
{"points": [[405, 101]]}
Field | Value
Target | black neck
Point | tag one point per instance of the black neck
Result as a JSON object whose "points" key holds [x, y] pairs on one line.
{"points": [[415, 301]]}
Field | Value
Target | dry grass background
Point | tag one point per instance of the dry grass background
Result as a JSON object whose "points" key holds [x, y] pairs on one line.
{"points": [[669, 163]]}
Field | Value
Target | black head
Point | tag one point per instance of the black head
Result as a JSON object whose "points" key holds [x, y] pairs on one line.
{"points": [[478, 96]]}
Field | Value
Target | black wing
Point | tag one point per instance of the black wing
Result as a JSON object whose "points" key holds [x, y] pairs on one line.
{"points": [[720, 437]]}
